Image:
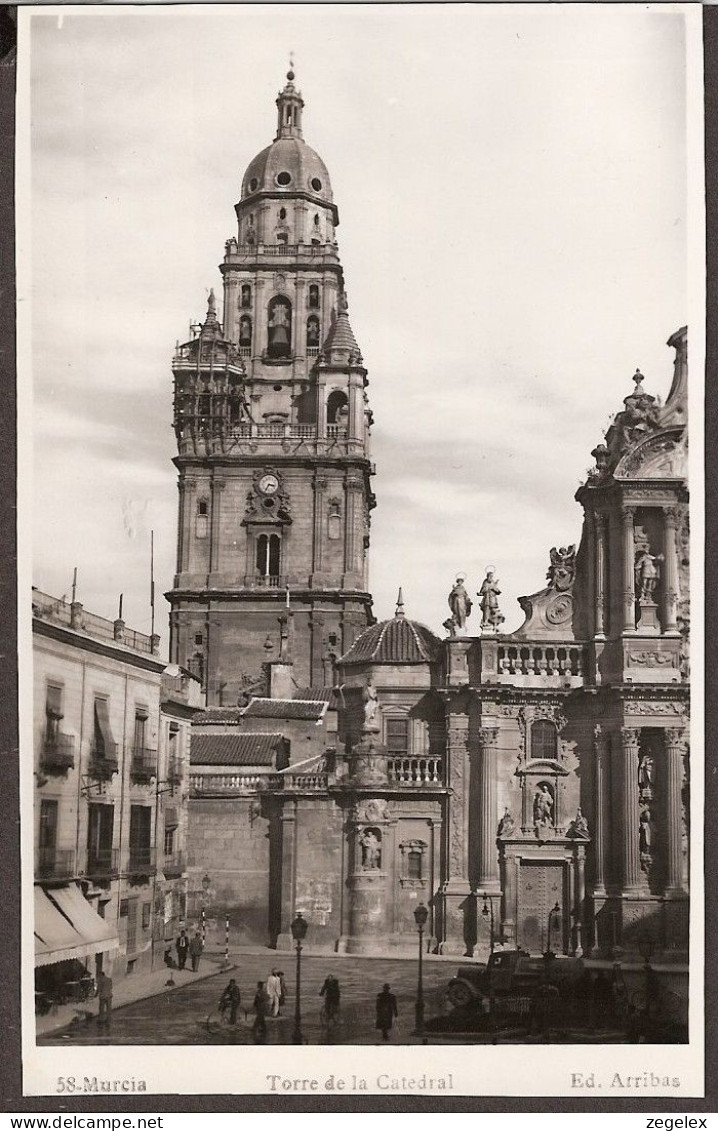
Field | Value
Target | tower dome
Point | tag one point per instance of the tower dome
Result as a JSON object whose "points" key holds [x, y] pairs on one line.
{"points": [[288, 165]]}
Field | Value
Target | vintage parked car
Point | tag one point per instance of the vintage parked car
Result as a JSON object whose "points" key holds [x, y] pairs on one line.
{"points": [[510, 972]]}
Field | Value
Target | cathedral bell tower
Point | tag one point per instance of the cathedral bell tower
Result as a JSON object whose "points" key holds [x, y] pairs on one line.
{"points": [[272, 423]]}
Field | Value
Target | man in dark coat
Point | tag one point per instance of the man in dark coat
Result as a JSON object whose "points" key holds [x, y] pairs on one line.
{"points": [[230, 1001], [182, 945], [386, 1010]]}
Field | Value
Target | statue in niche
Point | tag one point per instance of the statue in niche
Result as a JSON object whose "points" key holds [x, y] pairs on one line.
{"points": [[489, 593], [647, 574], [579, 825], [543, 805], [312, 332], [562, 568], [371, 706], [646, 772], [645, 832], [370, 850], [506, 824], [460, 604]]}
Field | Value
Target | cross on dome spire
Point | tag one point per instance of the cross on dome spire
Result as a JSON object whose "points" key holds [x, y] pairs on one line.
{"points": [[399, 614]]}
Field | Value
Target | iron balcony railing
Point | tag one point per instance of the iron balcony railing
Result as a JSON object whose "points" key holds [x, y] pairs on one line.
{"points": [[102, 863], [103, 760], [54, 863], [174, 864], [141, 860], [143, 764], [58, 753]]}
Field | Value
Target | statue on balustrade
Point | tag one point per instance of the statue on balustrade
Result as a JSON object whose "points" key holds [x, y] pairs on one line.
{"points": [[489, 593], [562, 568], [460, 604]]}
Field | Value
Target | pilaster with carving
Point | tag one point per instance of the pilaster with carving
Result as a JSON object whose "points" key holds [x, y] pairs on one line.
{"points": [[675, 747], [626, 757], [457, 779], [488, 879]]}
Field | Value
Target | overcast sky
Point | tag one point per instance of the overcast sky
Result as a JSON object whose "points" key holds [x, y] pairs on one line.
{"points": [[511, 185]]}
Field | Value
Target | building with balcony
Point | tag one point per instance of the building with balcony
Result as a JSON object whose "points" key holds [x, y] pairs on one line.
{"points": [[111, 736]]}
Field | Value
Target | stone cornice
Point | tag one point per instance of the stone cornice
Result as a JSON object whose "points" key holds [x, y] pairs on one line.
{"points": [[112, 649]]}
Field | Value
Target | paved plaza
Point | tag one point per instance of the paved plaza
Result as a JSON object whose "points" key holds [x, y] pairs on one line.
{"points": [[188, 1014]]}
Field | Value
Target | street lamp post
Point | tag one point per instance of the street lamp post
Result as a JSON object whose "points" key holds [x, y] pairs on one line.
{"points": [[299, 929], [552, 916], [421, 914], [488, 912]]}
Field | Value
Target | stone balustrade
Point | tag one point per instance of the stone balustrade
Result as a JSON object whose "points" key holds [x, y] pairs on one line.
{"points": [[546, 663], [403, 770], [231, 785]]}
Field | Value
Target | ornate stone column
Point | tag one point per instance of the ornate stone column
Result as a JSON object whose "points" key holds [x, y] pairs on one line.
{"points": [[628, 778], [629, 555], [600, 579], [671, 518], [488, 878], [601, 746], [674, 746]]}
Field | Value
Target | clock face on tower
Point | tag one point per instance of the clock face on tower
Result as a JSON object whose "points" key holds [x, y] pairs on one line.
{"points": [[269, 484]]}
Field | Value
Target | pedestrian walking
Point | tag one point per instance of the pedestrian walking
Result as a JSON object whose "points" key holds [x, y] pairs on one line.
{"points": [[104, 993], [331, 993], [230, 1001], [260, 1004], [386, 1010], [274, 990], [196, 946], [182, 946], [282, 988]]}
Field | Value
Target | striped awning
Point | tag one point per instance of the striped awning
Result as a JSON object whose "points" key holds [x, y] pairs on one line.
{"points": [[67, 926]]}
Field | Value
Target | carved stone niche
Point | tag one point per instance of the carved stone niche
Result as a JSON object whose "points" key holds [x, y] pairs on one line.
{"points": [[542, 770], [371, 820], [413, 864]]}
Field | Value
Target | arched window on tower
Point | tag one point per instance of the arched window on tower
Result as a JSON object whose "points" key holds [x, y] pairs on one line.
{"points": [[543, 739], [250, 234], [316, 231], [313, 331], [279, 327], [202, 518], [337, 407], [246, 298], [245, 330], [314, 296], [282, 213], [268, 558]]}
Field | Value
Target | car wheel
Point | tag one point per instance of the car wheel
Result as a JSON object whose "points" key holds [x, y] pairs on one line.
{"points": [[459, 994]]}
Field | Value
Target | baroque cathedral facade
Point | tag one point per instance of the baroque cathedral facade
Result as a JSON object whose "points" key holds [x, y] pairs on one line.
{"points": [[530, 788]]}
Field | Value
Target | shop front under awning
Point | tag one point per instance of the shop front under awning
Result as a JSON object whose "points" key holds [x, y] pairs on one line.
{"points": [[67, 926]]}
